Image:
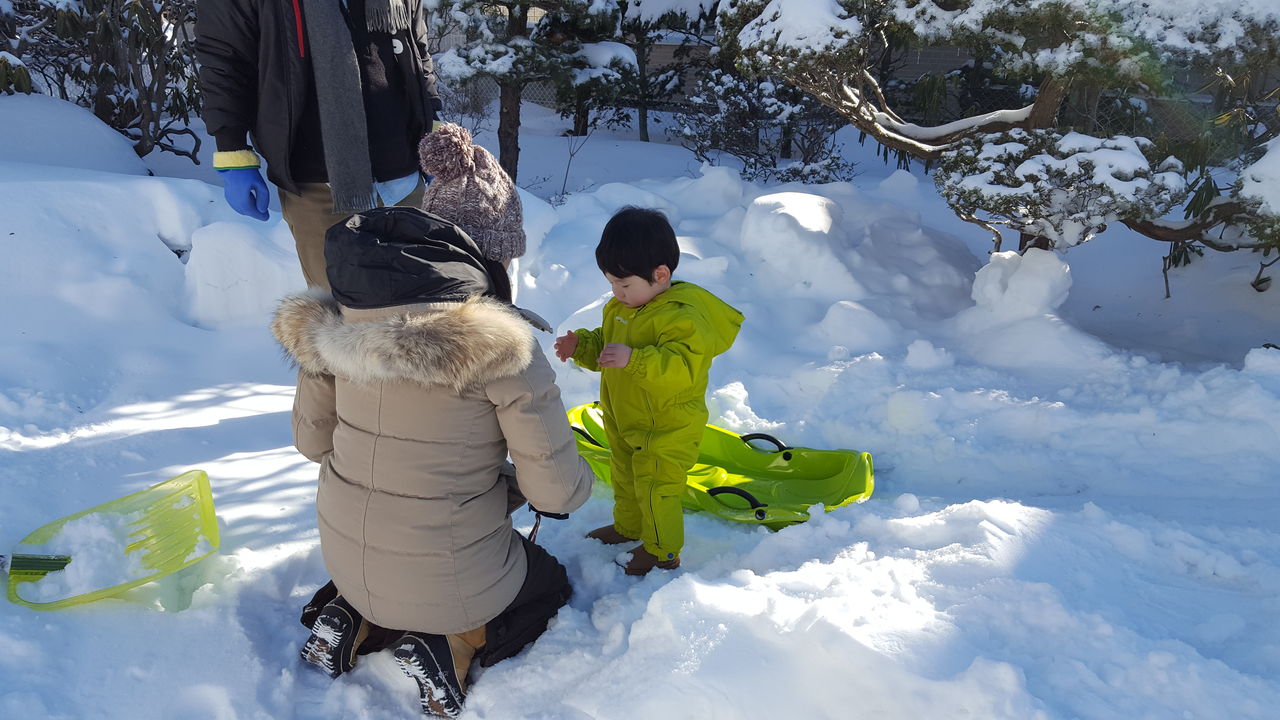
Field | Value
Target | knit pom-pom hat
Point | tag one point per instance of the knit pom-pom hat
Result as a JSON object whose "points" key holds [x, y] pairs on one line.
{"points": [[446, 153], [470, 189]]}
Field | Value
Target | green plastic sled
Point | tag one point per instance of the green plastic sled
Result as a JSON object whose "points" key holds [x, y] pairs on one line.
{"points": [[738, 481], [176, 527]]}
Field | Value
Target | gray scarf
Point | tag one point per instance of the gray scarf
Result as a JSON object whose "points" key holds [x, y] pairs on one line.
{"points": [[340, 96]]}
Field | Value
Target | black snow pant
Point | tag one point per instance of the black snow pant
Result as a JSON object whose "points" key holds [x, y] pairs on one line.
{"points": [[545, 590]]}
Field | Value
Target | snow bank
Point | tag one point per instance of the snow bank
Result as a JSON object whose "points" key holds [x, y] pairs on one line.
{"points": [[48, 131], [799, 237], [1013, 322], [236, 274], [1074, 531], [867, 328]]}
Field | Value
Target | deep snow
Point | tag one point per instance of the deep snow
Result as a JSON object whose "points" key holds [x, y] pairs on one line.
{"points": [[1076, 478]]}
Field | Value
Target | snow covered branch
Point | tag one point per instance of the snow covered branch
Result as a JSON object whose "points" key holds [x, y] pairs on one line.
{"points": [[1063, 188], [862, 102]]}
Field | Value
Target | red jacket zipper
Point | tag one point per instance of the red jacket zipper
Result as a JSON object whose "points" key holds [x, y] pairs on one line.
{"points": [[297, 21]]}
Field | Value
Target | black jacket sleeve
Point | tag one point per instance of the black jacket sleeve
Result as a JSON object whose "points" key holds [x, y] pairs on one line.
{"points": [[430, 93], [227, 35]]}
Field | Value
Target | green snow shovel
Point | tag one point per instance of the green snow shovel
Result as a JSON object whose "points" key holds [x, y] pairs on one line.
{"points": [[147, 535]]}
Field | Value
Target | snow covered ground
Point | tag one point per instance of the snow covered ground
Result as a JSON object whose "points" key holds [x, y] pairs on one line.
{"points": [[1076, 502]]}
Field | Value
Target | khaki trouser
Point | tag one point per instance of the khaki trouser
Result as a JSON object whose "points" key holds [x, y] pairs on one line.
{"points": [[462, 648], [310, 214]]}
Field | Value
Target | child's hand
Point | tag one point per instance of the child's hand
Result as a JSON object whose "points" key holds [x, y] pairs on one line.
{"points": [[566, 345], [615, 355]]}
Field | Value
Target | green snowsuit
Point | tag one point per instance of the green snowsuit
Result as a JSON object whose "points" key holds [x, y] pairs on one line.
{"points": [[655, 408]]}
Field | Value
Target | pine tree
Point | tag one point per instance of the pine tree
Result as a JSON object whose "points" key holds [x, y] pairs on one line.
{"points": [[643, 26], [514, 42]]}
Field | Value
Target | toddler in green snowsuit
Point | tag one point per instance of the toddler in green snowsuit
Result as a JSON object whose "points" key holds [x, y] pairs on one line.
{"points": [[653, 353]]}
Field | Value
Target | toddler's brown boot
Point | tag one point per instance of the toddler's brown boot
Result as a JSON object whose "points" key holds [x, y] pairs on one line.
{"points": [[609, 535], [642, 561]]}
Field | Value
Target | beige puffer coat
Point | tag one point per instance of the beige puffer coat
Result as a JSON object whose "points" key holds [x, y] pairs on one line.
{"points": [[411, 412]]}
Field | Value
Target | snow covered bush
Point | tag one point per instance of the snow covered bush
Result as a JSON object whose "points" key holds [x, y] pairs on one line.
{"points": [[131, 62], [776, 132], [1111, 52], [1259, 188], [498, 45], [1063, 189], [14, 76]]}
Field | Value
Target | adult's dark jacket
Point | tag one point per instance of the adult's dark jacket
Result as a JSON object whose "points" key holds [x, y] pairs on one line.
{"points": [[256, 77]]}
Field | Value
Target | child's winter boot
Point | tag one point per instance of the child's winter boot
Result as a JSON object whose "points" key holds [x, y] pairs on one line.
{"points": [[641, 561], [335, 636], [439, 664], [609, 535]]}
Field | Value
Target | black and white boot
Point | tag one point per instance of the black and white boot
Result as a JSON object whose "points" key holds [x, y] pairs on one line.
{"points": [[335, 636], [429, 660]]}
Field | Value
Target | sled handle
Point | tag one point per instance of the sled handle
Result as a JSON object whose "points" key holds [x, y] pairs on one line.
{"points": [[586, 436], [756, 505], [41, 564], [782, 447]]}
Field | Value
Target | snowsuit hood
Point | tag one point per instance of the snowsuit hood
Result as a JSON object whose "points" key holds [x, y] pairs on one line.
{"points": [[723, 321]]}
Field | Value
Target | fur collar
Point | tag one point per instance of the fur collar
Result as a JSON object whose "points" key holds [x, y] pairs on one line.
{"points": [[453, 344]]}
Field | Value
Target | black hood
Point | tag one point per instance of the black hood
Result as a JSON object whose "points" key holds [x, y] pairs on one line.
{"points": [[401, 255]]}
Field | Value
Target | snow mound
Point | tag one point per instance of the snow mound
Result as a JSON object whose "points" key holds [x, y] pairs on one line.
{"points": [[800, 238], [236, 275], [1013, 322], [1263, 361], [1013, 286], [47, 131]]}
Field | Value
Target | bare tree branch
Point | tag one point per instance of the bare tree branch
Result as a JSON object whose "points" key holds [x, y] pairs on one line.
{"points": [[990, 225]]}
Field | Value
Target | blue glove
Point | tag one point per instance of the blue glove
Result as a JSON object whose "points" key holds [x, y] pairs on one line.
{"points": [[246, 192]]}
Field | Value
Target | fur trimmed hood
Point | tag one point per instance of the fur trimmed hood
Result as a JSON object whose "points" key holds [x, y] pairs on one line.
{"points": [[451, 344]]}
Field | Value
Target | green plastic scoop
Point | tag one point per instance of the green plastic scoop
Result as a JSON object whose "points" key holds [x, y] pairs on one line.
{"points": [[147, 535], [741, 482]]}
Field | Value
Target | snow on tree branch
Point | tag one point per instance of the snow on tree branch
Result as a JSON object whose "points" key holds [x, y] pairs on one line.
{"points": [[652, 11], [1193, 27], [958, 127], [802, 25], [1066, 188]]}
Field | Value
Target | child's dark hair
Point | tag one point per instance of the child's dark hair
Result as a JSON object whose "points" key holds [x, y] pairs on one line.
{"points": [[635, 242]]}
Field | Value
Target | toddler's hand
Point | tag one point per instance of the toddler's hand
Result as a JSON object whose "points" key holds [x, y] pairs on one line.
{"points": [[615, 355], [566, 345]]}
